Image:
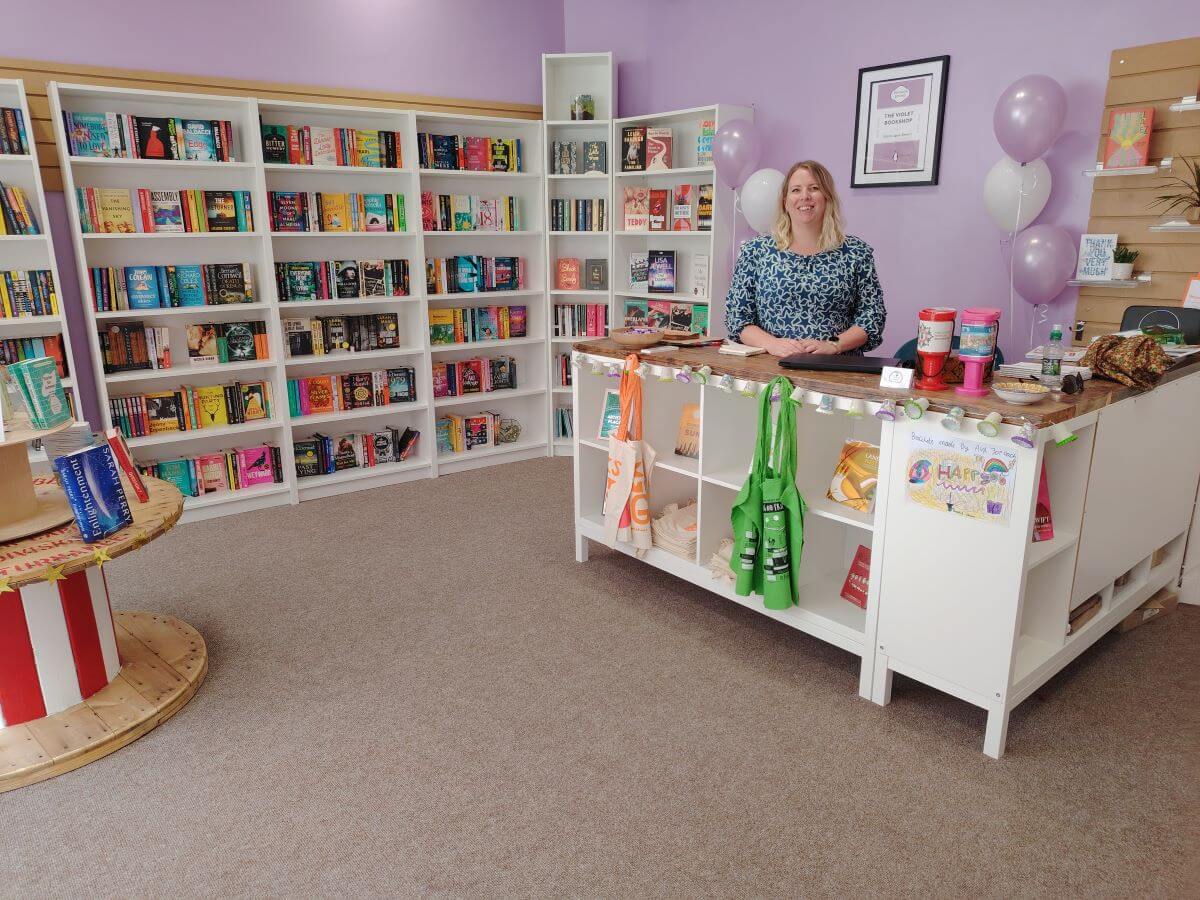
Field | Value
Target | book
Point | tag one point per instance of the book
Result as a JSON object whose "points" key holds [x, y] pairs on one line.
{"points": [[700, 269], [91, 481], [681, 207], [596, 274], [1043, 521], [275, 143], [38, 382], [639, 269], [658, 210], [211, 408], [88, 134], [681, 317], [633, 148], [854, 588], [167, 211], [595, 156], [154, 138], [610, 413], [704, 207], [661, 272], [125, 461], [220, 211], [636, 208], [636, 313], [141, 287], [658, 149], [1128, 144], [699, 318], [1096, 257], [687, 440], [658, 314], [115, 211], [856, 476], [566, 274], [441, 326], [199, 141], [704, 142]]}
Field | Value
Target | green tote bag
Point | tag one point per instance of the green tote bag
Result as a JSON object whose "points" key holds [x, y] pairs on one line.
{"points": [[768, 515]]}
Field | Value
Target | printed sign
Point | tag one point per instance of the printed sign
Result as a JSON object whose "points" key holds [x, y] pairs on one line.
{"points": [[969, 478]]}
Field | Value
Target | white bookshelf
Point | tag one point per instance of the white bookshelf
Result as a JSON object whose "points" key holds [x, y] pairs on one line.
{"points": [[413, 344], [717, 244], [33, 251], [529, 403], [565, 75], [144, 249]]}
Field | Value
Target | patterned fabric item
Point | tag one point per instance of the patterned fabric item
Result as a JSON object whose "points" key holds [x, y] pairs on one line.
{"points": [[816, 297], [1136, 361]]}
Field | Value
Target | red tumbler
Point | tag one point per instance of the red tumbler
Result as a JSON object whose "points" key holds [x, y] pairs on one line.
{"points": [[935, 333]]}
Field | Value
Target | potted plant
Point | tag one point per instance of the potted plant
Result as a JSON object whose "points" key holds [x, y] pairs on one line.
{"points": [[1186, 200], [1123, 260]]}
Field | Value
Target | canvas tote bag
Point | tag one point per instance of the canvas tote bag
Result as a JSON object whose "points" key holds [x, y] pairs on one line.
{"points": [[630, 462], [768, 514]]}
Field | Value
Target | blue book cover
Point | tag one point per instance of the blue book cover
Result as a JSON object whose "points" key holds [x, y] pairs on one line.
{"points": [[141, 283], [198, 140], [91, 480], [467, 272], [190, 281], [178, 473], [88, 134], [164, 287]]}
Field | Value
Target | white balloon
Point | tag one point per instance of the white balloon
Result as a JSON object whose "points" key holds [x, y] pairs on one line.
{"points": [[760, 199], [1010, 186]]}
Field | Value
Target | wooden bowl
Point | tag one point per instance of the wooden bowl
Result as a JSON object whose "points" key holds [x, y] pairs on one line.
{"points": [[635, 338]]}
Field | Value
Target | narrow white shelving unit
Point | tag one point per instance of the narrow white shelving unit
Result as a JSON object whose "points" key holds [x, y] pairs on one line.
{"points": [[565, 76], [252, 247], [413, 349], [32, 252], [529, 404], [717, 244]]}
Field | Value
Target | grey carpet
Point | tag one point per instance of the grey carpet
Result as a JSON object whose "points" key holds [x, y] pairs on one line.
{"points": [[418, 690]]}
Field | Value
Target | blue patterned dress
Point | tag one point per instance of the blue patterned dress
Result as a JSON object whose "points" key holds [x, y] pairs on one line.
{"points": [[815, 297]]}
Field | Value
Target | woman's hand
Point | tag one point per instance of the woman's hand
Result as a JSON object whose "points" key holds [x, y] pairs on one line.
{"points": [[786, 346], [825, 348]]}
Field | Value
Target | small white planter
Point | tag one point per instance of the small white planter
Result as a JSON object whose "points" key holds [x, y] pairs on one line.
{"points": [[1122, 271]]}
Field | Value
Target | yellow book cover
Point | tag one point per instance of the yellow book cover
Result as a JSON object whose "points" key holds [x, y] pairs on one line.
{"points": [[6, 310], [116, 210], [687, 442], [441, 326], [318, 336], [335, 212], [505, 328], [210, 404]]}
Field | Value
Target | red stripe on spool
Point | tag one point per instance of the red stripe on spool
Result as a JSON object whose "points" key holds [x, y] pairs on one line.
{"points": [[20, 692], [81, 628]]}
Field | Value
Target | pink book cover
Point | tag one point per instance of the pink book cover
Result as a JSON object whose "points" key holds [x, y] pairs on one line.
{"points": [[659, 314], [1043, 524], [489, 219], [212, 472], [305, 408], [1128, 138], [255, 466], [516, 321], [477, 154], [854, 588], [441, 384]]}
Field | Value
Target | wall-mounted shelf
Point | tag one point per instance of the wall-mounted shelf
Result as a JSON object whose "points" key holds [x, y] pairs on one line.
{"points": [[1139, 279], [1187, 104], [1177, 225], [1163, 167]]}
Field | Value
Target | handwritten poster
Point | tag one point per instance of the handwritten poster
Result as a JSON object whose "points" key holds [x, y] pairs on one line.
{"points": [[962, 477], [1096, 257]]}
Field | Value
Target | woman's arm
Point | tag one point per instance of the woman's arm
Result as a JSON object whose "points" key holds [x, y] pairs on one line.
{"points": [[850, 339], [753, 336], [870, 314], [741, 311]]}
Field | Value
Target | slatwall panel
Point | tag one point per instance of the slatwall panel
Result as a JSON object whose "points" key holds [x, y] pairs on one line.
{"points": [[36, 73], [1152, 75]]}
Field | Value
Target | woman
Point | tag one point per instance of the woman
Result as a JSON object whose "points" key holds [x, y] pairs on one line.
{"points": [[807, 287]]}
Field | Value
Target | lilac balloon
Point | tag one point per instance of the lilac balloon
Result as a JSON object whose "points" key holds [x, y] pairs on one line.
{"points": [[1029, 115], [736, 151], [1043, 262]]}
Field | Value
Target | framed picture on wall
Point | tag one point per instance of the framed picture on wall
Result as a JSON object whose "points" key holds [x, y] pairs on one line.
{"points": [[898, 123]]}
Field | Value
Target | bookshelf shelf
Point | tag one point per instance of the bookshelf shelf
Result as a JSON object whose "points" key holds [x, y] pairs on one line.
{"points": [[350, 357], [205, 501], [359, 474], [488, 396], [666, 173], [469, 296], [480, 234], [578, 123], [175, 437], [677, 297], [468, 173], [367, 412], [336, 170], [24, 238], [221, 309], [1143, 278], [599, 177], [342, 234], [15, 158], [183, 374], [591, 234], [303, 306], [180, 165], [484, 345], [491, 450], [592, 293], [668, 235], [172, 236]]}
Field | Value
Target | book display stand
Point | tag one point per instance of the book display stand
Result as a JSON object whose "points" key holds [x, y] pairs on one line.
{"points": [[76, 681]]}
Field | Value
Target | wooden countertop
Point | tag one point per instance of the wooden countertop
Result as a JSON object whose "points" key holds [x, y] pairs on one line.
{"points": [[861, 385]]}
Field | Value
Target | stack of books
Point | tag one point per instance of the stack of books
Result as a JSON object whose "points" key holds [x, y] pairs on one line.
{"points": [[312, 211], [459, 434], [324, 455], [146, 211], [313, 145], [190, 408], [474, 274], [167, 287], [581, 320], [27, 292], [452, 152], [343, 279], [474, 376], [467, 212], [319, 394], [223, 471], [14, 350], [460, 325], [565, 157], [12, 132], [579, 215], [149, 137], [320, 335], [38, 383]]}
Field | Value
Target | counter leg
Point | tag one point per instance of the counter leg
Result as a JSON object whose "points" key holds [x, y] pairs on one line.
{"points": [[997, 731], [581, 547], [881, 691]]}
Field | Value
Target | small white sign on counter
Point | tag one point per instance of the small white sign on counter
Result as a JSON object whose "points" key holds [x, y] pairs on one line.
{"points": [[1191, 297], [896, 378]]}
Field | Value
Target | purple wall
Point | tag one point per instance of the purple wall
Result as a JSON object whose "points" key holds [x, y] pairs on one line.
{"points": [[797, 64], [384, 45]]}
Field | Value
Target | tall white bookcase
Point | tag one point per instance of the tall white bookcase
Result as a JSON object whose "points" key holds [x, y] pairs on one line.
{"points": [[253, 247], [528, 402], [717, 244], [32, 251], [292, 246], [564, 76]]}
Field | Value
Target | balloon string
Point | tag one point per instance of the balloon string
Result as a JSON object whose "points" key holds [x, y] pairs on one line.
{"points": [[1012, 257], [737, 208]]}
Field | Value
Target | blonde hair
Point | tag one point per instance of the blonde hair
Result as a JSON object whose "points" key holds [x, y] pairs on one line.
{"points": [[832, 229]]}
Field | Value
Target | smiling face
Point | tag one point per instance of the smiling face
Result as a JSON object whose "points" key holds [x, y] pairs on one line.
{"points": [[805, 201]]}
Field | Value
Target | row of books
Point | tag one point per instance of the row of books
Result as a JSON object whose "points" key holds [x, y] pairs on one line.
{"points": [[458, 434], [454, 152], [655, 272], [320, 335], [580, 319], [49, 345], [168, 287], [145, 211], [572, 275], [564, 422], [684, 207], [149, 137], [224, 342], [578, 215], [666, 315], [566, 158], [562, 369], [459, 325], [39, 385], [16, 212], [480, 375], [217, 473], [314, 145], [467, 212], [133, 346], [474, 274], [314, 211], [324, 455], [318, 394], [27, 292], [649, 149], [190, 408], [704, 142], [343, 279], [13, 140]]}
